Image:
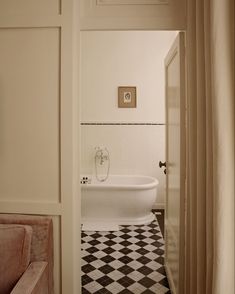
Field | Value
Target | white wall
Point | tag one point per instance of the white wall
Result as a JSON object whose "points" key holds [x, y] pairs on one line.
{"points": [[112, 59], [133, 15], [38, 123]]}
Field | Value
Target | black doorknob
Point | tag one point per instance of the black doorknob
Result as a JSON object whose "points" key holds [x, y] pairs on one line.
{"points": [[161, 164]]}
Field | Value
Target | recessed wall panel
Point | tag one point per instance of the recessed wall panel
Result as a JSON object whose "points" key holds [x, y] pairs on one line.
{"points": [[27, 7], [29, 114]]}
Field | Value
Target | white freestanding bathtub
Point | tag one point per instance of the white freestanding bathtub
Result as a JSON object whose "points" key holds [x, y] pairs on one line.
{"points": [[121, 199]]}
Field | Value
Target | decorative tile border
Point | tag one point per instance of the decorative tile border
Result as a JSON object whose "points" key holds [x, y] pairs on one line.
{"points": [[120, 124], [131, 2]]}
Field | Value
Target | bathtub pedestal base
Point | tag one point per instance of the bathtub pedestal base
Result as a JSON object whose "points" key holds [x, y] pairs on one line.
{"points": [[120, 221], [100, 226]]}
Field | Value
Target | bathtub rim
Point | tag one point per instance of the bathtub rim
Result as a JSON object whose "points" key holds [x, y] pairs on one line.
{"points": [[103, 185]]}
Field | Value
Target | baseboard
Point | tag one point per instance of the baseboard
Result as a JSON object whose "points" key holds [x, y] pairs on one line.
{"points": [[157, 205]]}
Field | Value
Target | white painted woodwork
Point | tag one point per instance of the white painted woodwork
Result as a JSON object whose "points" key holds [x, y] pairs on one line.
{"points": [[30, 114], [23, 7], [175, 158], [133, 14], [39, 151]]}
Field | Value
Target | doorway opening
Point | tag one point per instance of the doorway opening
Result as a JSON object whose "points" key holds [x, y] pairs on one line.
{"points": [[130, 258]]}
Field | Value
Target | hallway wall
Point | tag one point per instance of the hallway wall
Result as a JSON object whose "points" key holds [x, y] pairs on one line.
{"points": [[135, 137], [38, 123]]}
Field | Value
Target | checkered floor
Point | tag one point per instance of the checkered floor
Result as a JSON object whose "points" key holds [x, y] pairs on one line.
{"points": [[125, 262]]}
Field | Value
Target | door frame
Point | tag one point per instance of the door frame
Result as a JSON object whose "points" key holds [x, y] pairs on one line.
{"points": [[178, 43], [182, 280]]}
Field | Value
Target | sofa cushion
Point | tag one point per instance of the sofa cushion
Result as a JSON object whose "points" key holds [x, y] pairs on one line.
{"points": [[15, 243], [42, 238]]}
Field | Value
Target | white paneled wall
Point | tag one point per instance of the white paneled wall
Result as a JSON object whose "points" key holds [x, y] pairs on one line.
{"points": [[39, 123], [22, 130], [112, 59]]}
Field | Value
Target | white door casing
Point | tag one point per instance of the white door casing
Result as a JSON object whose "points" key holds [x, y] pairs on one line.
{"points": [[175, 162]]}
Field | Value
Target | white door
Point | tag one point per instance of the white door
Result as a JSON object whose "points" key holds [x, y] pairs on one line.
{"points": [[175, 164]]}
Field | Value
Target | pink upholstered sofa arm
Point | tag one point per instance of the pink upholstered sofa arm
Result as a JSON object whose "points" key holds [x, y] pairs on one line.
{"points": [[34, 280]]}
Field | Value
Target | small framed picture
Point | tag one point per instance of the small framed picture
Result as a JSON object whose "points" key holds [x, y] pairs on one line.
{"points": [[127, 97]]}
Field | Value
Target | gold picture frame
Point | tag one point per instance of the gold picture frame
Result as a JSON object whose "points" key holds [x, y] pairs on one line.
{"points": [[127, 97]]}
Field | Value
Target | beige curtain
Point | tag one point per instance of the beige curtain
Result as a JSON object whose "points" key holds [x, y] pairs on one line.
{"points": [[210, 139]]}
